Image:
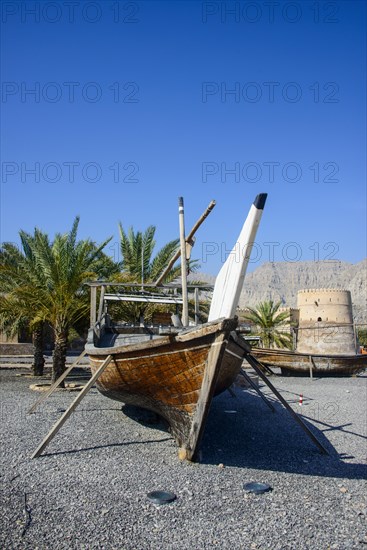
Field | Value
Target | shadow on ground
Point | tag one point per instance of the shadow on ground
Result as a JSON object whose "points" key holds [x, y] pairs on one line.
{"points": [[242, 432]]}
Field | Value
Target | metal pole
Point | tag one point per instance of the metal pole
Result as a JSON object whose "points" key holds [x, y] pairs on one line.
{"points": [[185, 310]]}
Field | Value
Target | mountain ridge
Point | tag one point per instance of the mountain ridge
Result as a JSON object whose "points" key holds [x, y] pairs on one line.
{"points": [[280, 281]]}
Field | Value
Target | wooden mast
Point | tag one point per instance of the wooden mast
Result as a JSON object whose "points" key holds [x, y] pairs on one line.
{"points": [[185, 308]]}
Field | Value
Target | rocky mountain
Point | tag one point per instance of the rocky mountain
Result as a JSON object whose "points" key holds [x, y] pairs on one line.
{"points": [[282, 280]]}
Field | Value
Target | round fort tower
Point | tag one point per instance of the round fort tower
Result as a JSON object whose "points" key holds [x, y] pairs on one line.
{"points": [[325, 322]]}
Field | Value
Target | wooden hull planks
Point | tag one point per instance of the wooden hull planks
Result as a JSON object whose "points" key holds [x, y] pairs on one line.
{"points": [[293, 362], [175, 376]]}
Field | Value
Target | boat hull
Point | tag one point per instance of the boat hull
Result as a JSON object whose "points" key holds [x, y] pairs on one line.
{"points": [[174, 376], [300, 363]]}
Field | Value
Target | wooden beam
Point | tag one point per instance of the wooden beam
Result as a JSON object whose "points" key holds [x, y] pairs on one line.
{"points": [[189, 239], [72, 407], [206, 394], [254, 363], [258, 391], [56, 384]]}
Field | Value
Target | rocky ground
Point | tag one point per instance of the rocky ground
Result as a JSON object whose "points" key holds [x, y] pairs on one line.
{"points": [[89, 489]]}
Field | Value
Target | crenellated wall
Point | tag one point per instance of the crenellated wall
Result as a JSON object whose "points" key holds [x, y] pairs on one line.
{"points": [[325, 322]]}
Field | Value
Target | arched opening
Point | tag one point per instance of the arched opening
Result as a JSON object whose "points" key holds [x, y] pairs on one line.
{"points": [[319, 319]]}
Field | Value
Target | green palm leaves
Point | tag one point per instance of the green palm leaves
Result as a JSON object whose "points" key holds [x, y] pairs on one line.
{"points": [[17, 309], [45, 281], [137, 251], [271, 325]]}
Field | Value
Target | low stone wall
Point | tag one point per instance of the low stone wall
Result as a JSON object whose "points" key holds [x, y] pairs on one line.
{"points": [[326, 339], [7, 348]]}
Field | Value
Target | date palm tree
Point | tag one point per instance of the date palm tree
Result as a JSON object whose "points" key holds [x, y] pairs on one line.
{"points": [[17, 268], [271, 325], [137, 251], [54, 291], [140, 265]]}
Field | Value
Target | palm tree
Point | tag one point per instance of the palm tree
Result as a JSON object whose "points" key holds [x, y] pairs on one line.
{"points": [[55, 291], [271, 324], [138, 265], [16, 267], [137, 250]]}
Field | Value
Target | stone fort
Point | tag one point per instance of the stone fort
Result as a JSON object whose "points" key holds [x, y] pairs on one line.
{"points": [[325, 322]]}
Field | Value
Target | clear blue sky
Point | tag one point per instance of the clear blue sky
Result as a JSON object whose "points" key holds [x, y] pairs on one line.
{"points": [[146, 87]]}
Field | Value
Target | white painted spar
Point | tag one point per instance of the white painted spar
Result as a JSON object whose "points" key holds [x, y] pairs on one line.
{"points": [[230, 279]]}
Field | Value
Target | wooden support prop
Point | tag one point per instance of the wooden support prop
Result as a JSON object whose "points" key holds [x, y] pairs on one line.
{"points": [[71, 409], [56, 384], [268, 369], [253, 385], [256, 365], [311, 365]]}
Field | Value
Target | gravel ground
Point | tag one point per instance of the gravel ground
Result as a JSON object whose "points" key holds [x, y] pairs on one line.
{"points": [[89, 488]]}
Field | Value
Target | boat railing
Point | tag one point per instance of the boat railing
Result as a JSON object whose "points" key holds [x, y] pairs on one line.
{"points": [[135, 292]]}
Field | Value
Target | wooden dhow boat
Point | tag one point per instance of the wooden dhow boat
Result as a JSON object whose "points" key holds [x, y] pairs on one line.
{"points": [[175, 372], [293, 362], [176, 376]]}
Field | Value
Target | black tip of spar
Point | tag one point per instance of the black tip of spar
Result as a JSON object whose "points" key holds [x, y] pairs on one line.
{"points": [[260, 200]]}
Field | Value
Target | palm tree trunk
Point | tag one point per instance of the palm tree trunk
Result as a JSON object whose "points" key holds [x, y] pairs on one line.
{"points": [[38, 359], [59, 355]]}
